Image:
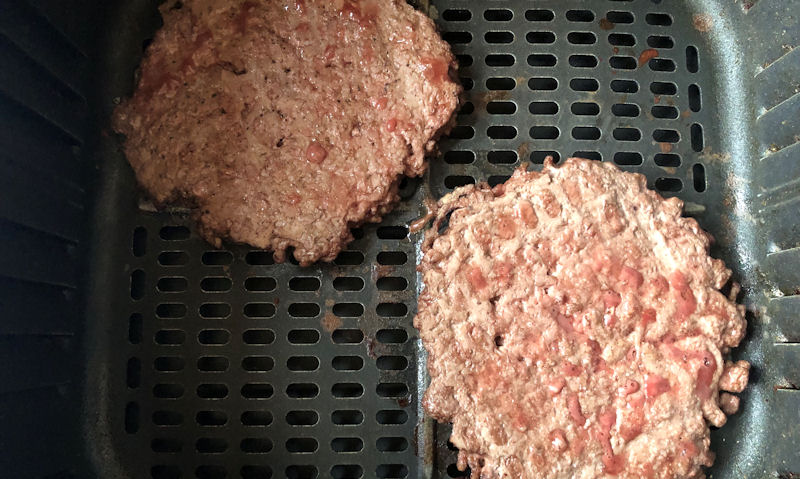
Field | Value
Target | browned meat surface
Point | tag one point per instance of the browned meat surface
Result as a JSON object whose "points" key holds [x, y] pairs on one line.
{"points": [[575, 328], [285, 123]]}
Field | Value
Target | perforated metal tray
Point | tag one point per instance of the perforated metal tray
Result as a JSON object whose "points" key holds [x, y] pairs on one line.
{"points": [[218, 363]]}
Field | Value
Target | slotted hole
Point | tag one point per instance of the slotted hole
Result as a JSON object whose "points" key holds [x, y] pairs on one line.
{"points": [[172, 284], [662, 65], [501, 132], [391, 336], [256, 472], [258, 336], [210, 472], [302, 363], [695, 101], [302, 390], [543, 84], [260, 284], [173, 258], [345, 417], [581, 38], [660, 41], [256, 418], [498, 15], [134, 373], [391, 471], [538, 157], [170, 337], [625, 110], [392, 232], [671, 185], [501, 83], [216, 284], [392, 363], [347, 363], [347, 444], [347, 471], [627, 134], [259, 258], [457, 37], [257, 391], [135, 324], [669, 160], [302, 418], [542, 108], [539, 15], [540, 37], [304, 284], [255, 445], [502, 108], [169, 363], [544, 133], [162, 471], [391, 283], [589, 155], [215, 310], [584, 84], [622, 63], [628, 158], [348, 283], [257, 363], [667, 112], [166, 445], [466, 109], [132, 412], [502, 157], [697, 137], [586, 133], [621, 39], [391, 444], [301, 472], [139, 246], [699, 177], [212, 391], [542, 60], [211, 418], [217, 258], [137, 284], [215, 337], [174, 233], [393, 390], [347, 390], [580, 15], [457, 157], [455, 181], [301, 444], [583, 61], [585, 108], [666, 136], [663, 88], [462, 132], [347, 336], [212, 364], [495, 180], [692, 59], [391, 416], [624, 86], [259, 310], [168, 391], [464, 61], [211, 445], [658, 19], [456, 15], [171, 310], [499, 60], [304, 310], [167, 418], [303, 336], [349, 258], [619, 17], [499, 37], [391, 309], [348, 310]]}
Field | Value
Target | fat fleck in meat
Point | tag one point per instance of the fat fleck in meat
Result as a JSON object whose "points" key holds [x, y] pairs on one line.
{"points": [[575, 328], [286, 123]]}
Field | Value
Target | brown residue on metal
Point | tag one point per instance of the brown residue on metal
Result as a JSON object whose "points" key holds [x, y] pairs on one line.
{"points": [[657, 99], [606, 24], [331, 322], [381, 271], [665, 147], [709, 156], [371, 347], [702, 22], [522, 150], [615, 50], [480, 100], [669, 169], [418, 224], [686, 113], [647, 55]]}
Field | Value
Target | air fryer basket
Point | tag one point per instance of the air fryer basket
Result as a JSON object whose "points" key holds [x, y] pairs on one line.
{"points": [[133, 349]]}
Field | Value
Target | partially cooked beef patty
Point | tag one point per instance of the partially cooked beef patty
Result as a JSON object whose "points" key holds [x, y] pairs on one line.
{"points": [[576, 329], [286, 123]]}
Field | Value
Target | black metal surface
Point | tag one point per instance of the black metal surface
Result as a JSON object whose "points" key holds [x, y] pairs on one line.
{"points": [[196, 362]]}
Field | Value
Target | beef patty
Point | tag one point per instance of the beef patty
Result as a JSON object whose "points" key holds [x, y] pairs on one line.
{"points": [[286, 123], [575, 328]]}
